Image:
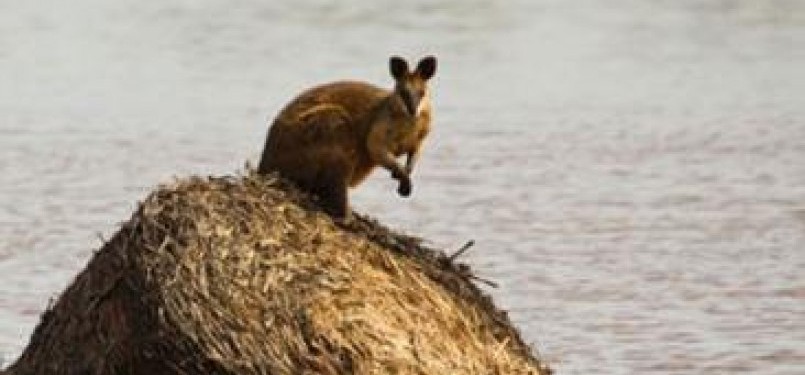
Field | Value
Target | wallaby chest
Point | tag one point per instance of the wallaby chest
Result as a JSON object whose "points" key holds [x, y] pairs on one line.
{"points": [[401, 134]]}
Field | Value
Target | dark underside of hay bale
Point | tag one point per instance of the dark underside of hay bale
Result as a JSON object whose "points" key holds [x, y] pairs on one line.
{"points": [[244, 275]]}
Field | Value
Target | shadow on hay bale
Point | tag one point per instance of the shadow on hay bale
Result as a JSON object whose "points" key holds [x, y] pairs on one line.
{"points": [[242, 275]]}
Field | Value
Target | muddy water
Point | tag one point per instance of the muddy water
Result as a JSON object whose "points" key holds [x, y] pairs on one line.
{"points": [[633, 172]]}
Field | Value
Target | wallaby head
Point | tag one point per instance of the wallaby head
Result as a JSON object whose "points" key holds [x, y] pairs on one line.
{"points": [[412, 86]]}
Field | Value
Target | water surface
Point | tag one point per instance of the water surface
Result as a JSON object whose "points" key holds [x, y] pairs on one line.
{"points": [[632, 171]]}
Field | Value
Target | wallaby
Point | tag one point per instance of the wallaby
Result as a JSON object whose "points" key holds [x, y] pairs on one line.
{"points": [[330, 137]]}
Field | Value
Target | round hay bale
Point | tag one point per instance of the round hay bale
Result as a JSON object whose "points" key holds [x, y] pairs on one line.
{"points": [[243, 275]]}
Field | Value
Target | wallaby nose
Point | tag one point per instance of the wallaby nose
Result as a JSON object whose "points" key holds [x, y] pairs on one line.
{"points": [[409, 101]]}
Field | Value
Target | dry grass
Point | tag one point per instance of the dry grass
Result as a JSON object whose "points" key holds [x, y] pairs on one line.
{"points": [[243, 275]]}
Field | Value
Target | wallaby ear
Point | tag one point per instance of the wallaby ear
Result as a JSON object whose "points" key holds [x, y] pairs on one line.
{"points": [[398, 67], [426, 67]]}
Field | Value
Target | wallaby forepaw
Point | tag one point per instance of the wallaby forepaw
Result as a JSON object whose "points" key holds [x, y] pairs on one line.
{"points": [[405, 188]]}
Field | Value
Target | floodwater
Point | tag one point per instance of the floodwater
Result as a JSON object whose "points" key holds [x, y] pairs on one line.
{"points": [[632, 171]]}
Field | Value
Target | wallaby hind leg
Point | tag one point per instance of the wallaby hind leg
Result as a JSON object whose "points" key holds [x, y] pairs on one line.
{"points": [[332, 191]]}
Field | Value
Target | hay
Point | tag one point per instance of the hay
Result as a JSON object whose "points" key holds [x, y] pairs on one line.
{"points": [[243, 275]]}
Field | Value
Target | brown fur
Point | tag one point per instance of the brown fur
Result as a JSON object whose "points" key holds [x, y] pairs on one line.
{"points": [[331, 137]]}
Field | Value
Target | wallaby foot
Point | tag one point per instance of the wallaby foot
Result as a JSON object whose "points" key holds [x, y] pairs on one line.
{"points": [[335, 203]]}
